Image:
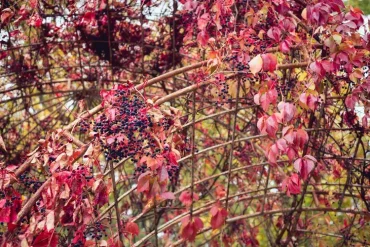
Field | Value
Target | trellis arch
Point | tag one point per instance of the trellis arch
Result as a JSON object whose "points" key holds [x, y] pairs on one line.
{"points": [[224, 154]]}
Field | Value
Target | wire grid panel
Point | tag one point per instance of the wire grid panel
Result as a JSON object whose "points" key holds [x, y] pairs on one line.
{"points": [[223, 156]]}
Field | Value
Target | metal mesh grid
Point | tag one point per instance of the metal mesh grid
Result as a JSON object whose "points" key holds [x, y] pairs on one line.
{"points": [[221, 133]]}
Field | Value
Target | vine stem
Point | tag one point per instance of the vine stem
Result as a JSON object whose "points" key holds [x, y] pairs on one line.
{"points": [[206, 207]]}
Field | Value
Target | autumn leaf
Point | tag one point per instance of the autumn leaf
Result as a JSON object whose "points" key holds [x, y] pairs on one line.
{"points": [[305, 165], [256, 64], [269, 62], [308, 101], [203, 20], [2, 144], [219, 215], [203, 38], [274, 33], [143, 182], [46, 239], [132, 228], [185, 198], [50, 218], [190, 228], [272, 153], [287, 111], [6, 15], [268, 125], [292, 185]]}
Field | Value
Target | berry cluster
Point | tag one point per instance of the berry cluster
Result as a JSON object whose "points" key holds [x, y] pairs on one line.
{"points": [[240, 66], [129, 131], [40, 207], [96, 231], [173, 172], [31, 184], [271, 18], [140, 170], [79, 243], [84, 126], [223, 89]]}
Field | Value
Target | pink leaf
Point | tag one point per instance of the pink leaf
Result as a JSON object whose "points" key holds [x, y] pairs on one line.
{"points": [[168, 196], [6, 15], [272, 126], [143, 182], [305, 165], [308, 101], [272, 154], [185, 198], [301, 138], [292, 185], [285, 45], [269, 62], [203, 21], [351, 101], [287, 110], [274, 33], [203, 38]]}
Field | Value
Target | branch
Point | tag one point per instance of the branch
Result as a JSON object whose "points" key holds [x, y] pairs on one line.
{"points": [[29, 204], [170, 74]]}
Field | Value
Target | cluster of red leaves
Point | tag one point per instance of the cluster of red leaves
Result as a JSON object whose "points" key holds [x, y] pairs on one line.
{"points": [[190, 226], [157, 128], [74, 193]]}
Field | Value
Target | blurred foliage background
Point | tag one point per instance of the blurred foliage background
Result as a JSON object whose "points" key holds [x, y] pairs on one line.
{"points": [[364, 5]]}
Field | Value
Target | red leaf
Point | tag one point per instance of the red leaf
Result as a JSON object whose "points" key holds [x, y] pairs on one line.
{"points": [[318, 68], [351, 101], [272, 153], [269, 62], [168, 196], [266, 98], [301, 138], [132, 228], [6, 15], [288, 24], [308, 101], [35, 20], [274, 33], [203, 38], [203, 21], [189, 229], [285, 46], [143, 182], [46, 239], [305, 165], [100, 192], [287, 110], [218, 216], [292, 185], [220, 191], [272, 126], [185, 198], [172, 158]]}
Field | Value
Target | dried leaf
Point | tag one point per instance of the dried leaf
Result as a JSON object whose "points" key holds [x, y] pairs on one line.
{"points": [[256, 64], [2, 144]]}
